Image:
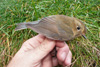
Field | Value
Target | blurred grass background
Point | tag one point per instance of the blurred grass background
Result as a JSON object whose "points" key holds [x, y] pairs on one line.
{"points": [[86, 53]]}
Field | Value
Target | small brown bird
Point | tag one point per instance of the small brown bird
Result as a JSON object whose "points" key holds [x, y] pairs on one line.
{"points": [[56, 27]]}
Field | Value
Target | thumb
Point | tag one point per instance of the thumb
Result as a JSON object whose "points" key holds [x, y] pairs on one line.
{"points": [[42, 50]]}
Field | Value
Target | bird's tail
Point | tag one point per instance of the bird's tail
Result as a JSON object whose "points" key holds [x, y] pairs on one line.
{"points": [[21, 26]]}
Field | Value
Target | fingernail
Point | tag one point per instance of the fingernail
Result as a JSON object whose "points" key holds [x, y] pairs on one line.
{"points": [[63, 56]]}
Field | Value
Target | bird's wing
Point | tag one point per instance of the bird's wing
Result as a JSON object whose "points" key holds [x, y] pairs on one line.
{"points": [[46, 26], [65, 27], [49, 27]]}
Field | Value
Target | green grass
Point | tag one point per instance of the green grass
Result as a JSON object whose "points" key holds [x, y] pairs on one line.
{"points": [[86, 53]]}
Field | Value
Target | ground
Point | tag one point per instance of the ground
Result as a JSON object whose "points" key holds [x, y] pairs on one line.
{"points": [[86, 52]]}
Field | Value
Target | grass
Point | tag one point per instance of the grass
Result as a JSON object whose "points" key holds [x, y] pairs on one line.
{"points": [[86, 53]]}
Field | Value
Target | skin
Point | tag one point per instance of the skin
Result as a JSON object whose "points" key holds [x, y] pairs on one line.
{"points": [[36, 52]]}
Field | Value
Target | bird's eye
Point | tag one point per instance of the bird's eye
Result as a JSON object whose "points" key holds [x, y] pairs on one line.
{"points": [[78, 28]]}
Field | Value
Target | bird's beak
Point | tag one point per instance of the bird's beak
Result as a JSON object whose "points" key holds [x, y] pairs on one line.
{"points": [[84, 36]]}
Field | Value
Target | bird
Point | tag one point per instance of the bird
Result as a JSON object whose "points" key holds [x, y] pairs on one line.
{"points": [[56, 27]]}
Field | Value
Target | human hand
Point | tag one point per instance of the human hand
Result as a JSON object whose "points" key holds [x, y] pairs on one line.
{"points": [[35, 52]]}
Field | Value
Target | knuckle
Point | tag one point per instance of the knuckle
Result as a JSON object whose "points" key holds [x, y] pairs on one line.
{"points": [[43, 48]]}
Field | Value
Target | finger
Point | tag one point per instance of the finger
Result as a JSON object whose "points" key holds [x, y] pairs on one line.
{"points": [[47, 61], [68, 59], [39, 38], [54, 61], [34, 42], [62, 52], [60, 44], [45, 47]]}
